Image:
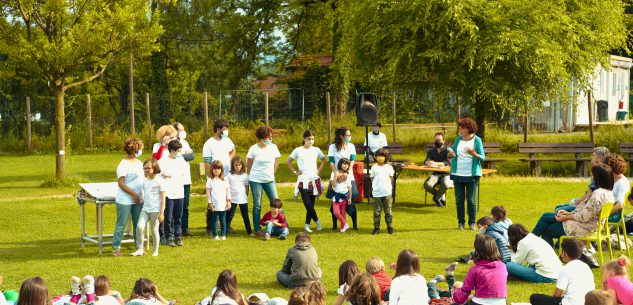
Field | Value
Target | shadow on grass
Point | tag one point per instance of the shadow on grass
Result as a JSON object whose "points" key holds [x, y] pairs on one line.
{"points": [[54, 249]]}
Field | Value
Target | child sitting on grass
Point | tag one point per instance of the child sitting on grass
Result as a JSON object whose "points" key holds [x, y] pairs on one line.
{"points": [[408, 282], [616, 281], [363, 291], [275, 221], [574, 280], [376, 267], [487, 226], [106, 296], [498, 214], [382, 186], [34, 292], [488, 277], [346, 274], [599, 297], [146, 293]]}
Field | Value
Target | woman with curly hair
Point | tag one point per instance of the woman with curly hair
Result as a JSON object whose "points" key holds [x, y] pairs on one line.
{"points": [[468, 154]]}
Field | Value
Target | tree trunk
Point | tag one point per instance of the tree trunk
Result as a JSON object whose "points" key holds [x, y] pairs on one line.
{"points": [[480, 117], [60, 133]]}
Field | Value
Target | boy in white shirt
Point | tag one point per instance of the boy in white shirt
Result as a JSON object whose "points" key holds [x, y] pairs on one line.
{"points": [[574, 280], [173, 171], [382, 186]]}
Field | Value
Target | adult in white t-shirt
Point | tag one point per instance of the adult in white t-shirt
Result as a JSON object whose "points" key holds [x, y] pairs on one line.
{"points": [[468, 154], [377, 140], [308, 180], [574, 281], [187, 154], [344, 148], [219, 147], [262, 162], [130, 177]]}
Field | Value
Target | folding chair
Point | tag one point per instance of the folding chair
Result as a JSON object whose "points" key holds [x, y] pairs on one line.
{"points": [[621, 226], [601, 234]]}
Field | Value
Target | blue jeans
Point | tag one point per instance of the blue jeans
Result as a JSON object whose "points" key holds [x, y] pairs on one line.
{"points": [[276, 231], [548, 228], [214, 220], [123, 212], [185, 209], [256, 189], [173, 217], [465, 188], [527, 273]]}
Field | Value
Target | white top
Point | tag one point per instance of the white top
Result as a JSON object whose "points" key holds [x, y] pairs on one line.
{"points": [[238, 183], [132, 170], [151, 194], [186, 148], [165, 151], [219, 150], [346, 152], [3, 300], [173, 171], [106, 300], [620, 188], [220, 299], [220, 193], [408, 289], [489, 301], [263, 168], [342, 188], [307, 159], [381, 180], [538, 253], [152, 301], [576, 279], [376, 141], [464, 159]]}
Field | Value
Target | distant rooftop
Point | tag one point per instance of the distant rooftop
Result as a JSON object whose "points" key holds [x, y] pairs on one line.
{"points": [[311, 60]]}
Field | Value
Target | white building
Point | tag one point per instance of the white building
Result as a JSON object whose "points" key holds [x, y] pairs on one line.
{"points": [[610, 96]]}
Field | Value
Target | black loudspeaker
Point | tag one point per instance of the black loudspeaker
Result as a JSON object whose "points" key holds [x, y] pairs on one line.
{"points": [[366, 109]]}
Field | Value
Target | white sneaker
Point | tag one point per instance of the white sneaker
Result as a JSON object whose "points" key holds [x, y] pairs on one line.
{"points": [[307, 228], [319, 227], [138, 252], [217, 238], [223, 237], [345, 228], [88, 282], [155, 253], [75, 285]]}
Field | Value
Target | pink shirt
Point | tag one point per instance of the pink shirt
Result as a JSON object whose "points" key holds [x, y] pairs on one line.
{"points": [[623, 289]]}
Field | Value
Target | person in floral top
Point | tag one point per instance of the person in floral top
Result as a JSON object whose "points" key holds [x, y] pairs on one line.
{"points": [[584, 220]]}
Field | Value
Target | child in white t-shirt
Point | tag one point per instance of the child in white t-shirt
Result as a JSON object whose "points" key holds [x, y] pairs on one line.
{"points": [[172, 169], [238, 181], [153, 207], [219, 198], [574, 281], [382, 186], [342, 187], [104, 295]]}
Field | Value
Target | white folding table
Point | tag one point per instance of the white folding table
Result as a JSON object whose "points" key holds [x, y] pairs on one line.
{"points": [[101, 194]]}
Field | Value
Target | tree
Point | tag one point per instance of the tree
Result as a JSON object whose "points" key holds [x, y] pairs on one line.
{"points": [[70, 43], [497, 54]]}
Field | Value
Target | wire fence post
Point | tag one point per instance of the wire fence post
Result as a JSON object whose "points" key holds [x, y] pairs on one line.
{"points": [[206, 115], [220, 105], [132, 127], [303, 105], [266, 108], [329, 118], [393, 116], [89, 117], [29, 143], [149, 119]]}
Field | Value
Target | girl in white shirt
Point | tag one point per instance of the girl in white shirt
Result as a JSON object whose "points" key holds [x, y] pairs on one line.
{"points": [[408, 285], [344, 148], [154, 197], [342, 187], [541, 262], [238, 181], [106, 296], [219, 198], [225, 291], [146, 293]]}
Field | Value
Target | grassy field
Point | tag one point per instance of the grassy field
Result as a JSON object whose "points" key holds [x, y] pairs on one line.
{"points": [[41, 230]]}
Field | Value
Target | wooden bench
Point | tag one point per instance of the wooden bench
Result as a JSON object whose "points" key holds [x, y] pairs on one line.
{"points": [[489, 148], [577, 149], [626, 150], [394, 148]]}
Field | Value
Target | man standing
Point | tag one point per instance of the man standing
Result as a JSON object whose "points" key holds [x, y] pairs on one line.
{"points": [[301, 264], [437, 156], [376, 140], [219, 147]]}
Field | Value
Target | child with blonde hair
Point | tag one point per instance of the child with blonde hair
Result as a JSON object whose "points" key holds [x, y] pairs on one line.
{"points": [[615, 280], [599, 297], [376, 267]]}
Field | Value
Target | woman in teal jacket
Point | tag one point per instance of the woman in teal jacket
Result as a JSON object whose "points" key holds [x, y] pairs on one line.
{"points": [[467, 154]]}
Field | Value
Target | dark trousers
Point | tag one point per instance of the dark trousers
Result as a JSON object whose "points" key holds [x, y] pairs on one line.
{"points": [[548, 228], [185, 209], [308, 202], [351, 211], [435, 293], [543, 299], [218, 215], [465, 188], [173, 217], [244, 212]]}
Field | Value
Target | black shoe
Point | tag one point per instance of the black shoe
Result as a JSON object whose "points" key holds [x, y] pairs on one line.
{"points": [[590, 260], [179, 242], [443, 202], [437, 202], [281, 237], [464, 259], [355, 228], [390, 230], [187, 233], [375, 231], [230, 230]]}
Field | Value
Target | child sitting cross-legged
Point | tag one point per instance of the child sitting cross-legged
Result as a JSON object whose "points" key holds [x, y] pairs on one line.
{"points": [[488, 277], [376, 267], [574, 280], [616, 281], [346, 274], [498, 214], [275, 221]]}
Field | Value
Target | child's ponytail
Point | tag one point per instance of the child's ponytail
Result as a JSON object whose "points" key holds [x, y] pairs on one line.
{"points": [[618, 266]]}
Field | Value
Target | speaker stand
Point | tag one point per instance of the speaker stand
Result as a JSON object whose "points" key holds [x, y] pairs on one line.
{"points": [[366, 152]]}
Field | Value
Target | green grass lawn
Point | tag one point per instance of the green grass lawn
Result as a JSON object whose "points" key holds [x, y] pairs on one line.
{"points": [[41, 230]]}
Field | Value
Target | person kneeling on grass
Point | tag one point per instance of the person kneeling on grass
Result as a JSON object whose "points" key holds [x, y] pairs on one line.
{"points": [[301, 264], [574, 281], [275, 221]]}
